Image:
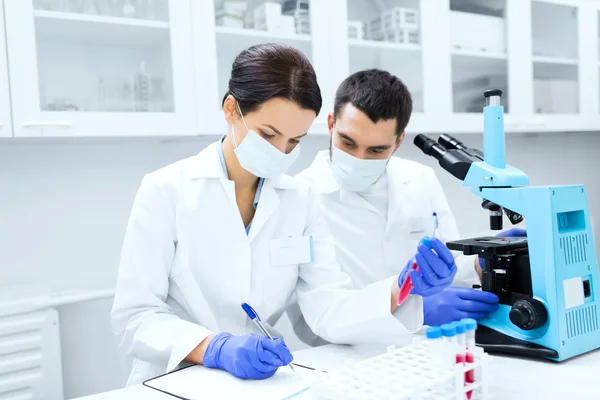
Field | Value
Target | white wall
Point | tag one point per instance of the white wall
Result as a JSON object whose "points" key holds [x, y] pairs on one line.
{"points": [[64, 207]]}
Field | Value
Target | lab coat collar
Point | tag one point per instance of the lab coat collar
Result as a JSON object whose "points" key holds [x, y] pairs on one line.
{"points": [[207, 164], [325, 181], [398, 179]]}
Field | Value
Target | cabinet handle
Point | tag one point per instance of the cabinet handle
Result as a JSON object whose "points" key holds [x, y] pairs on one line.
{"points": [[47, 124]]}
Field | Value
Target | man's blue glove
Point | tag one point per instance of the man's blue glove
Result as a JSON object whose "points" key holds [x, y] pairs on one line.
{"points": [[247, 357], [456, 303], [513, 232], [435, 269]]}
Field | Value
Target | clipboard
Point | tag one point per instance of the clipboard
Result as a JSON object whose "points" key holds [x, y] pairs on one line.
{"points": [[195, 382]]}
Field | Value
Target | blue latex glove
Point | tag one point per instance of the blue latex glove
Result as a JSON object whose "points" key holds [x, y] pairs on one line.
{"points": [[247, 357], [436, 269], [513, 232], [456, 303]]}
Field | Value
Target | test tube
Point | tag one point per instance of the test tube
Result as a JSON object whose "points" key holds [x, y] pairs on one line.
{"points": [[471, 326], [449, 341], [461, 340], [436, 345]]}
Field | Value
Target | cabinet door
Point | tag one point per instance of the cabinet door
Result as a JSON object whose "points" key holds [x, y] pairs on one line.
{"points": [[100, 68], [387, 35], [5, 122], [237, 25]]}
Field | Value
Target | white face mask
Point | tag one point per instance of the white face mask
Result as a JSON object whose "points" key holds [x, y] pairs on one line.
{"points": [[259, 157], [353, 173]]}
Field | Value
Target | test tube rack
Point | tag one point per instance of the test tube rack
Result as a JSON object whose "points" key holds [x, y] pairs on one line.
{"points": [[407, 373]]}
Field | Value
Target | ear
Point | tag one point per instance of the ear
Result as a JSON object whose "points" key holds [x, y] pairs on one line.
{"points": [[230, 109], [330, 122], [399, 140]]}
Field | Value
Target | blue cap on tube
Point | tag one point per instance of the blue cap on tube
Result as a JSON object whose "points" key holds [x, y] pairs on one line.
{"points": [[433, 332], [460, 326], [448, 330], [470, 323]]}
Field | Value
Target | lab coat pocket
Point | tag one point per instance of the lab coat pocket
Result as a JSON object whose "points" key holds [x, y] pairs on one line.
{"points": [[416, 228], [291, 250]]}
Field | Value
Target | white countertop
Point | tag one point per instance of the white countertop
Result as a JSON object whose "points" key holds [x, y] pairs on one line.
{"points": [[511, 377]]}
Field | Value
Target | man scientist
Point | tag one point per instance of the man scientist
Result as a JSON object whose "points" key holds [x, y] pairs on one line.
{"points": [[379, 207]]}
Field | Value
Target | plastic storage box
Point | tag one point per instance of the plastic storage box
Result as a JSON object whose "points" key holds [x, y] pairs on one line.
{"points": [[267, 16], [403, 36], [400, 18], [355, 30], [477, 32]]}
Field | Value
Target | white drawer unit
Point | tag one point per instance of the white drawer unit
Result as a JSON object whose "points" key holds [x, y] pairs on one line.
{"points": [[30, 366]]}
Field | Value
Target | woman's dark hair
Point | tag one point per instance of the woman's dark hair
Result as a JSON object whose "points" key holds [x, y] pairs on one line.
{"points": [[270, 70]]}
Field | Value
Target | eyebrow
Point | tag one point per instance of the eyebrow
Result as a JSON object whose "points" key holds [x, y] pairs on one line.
{"points": [[277, 131], [349, 139]]}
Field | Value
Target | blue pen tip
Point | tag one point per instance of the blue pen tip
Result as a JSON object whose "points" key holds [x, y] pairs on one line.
{"points": [[434, 214], [249, 311]]}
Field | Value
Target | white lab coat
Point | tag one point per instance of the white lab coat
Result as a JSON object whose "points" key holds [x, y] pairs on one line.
{"points": [[370, 248], [187, 265]]}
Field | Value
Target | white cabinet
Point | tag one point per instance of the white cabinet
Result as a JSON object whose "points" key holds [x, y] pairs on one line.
{"points": [[389, 39], [5, 117], [100, 68], [161, 67]]}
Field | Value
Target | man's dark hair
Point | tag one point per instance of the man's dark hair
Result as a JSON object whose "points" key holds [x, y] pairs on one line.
{"points": [[266, 71], [379, 94]]}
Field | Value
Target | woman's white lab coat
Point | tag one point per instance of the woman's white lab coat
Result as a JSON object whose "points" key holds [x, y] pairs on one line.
{"points": [[187, 265]]}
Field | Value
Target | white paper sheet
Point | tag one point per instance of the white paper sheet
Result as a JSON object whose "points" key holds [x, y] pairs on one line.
{"points": [[199, 383]]}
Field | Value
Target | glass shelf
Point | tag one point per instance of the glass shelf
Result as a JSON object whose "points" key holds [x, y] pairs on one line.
{"points": [[479, 61], [555, 63], [95, 59], [386, 35], [242, 24], [157, 10]]}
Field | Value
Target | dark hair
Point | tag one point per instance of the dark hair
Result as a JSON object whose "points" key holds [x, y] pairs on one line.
{"points": [[266, 71], [378, 94]]}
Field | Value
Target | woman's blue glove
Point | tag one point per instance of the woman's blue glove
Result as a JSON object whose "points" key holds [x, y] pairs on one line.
{"points": [[435, 269], [513, 232], [247, 357], [456, 303]]}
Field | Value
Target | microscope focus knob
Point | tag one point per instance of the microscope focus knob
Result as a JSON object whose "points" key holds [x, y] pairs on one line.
{"points": [[528, 314]]}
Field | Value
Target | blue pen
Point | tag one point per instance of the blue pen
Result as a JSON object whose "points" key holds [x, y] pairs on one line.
{"points": [[253, 315]]}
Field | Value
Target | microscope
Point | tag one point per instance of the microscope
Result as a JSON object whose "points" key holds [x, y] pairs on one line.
{"points": [[548, 282]]}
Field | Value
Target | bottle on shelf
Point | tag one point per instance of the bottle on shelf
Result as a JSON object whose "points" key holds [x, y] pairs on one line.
{"points": [[141, 89], [129, 9]]}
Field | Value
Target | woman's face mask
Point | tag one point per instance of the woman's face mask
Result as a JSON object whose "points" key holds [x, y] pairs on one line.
{"points": [[355, 174], [259, 157]]}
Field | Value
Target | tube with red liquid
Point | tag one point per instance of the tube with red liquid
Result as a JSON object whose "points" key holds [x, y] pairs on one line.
{"points": [[471, 326], [408, 285], [461, 340]]}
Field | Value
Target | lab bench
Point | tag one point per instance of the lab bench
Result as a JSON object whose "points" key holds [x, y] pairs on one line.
{"points": [[510, 377]]}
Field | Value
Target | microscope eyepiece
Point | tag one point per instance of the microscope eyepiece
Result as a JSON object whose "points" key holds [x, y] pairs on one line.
{"points": [[429, 146], [451, 143]]}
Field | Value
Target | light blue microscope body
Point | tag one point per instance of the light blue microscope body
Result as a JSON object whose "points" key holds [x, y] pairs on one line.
{"points": [[563, 259]]}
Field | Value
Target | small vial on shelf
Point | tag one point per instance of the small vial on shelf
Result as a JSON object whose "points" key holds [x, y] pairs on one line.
{"points": [[128, 9]]}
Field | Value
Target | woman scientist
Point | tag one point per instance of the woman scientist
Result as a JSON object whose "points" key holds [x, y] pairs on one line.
{"points": [[227, 226]]}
